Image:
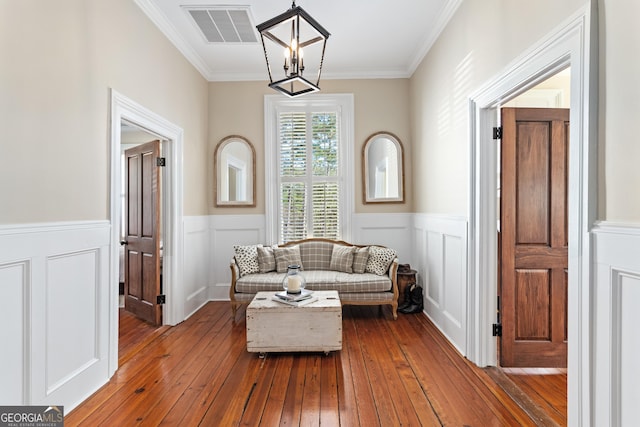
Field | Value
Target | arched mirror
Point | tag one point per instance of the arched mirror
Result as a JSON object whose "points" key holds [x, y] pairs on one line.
{"points": [[382, 169], [235, 162]]}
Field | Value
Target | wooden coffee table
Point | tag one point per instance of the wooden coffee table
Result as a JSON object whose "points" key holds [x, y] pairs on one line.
{"points": [[277, 327]]}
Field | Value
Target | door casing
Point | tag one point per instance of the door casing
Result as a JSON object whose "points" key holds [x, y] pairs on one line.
{"points": [[573, 44], [123, 108]]}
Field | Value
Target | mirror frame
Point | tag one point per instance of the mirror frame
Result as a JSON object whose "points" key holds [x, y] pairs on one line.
{"points": [[365, 169], [218, 181]]}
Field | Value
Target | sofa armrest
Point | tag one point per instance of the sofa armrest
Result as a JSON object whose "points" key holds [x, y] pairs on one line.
{"points": [[393, 275], [235, 275]]}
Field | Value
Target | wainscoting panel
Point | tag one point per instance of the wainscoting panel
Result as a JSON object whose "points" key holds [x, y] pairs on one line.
{"points": [[226, 231], [71, 295], [54, 280], [197, 263], [14, 318], [440, 257], [617, 341]]}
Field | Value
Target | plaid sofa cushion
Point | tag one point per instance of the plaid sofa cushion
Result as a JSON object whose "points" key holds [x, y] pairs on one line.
{"points": [[319, 280], [354, 298], [342, 258], [360, 257], [286, 257], [266, 259], [316, 255]]}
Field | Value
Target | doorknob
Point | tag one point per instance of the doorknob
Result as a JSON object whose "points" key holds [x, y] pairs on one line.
{"points": [[124, 242]]}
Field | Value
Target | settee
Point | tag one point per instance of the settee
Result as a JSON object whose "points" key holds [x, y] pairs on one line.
{"points": [[362, 275]]}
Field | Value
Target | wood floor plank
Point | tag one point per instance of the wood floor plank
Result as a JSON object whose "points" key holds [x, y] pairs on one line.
{"points": [[252, 414], [227, 407], [347, 399], [401, 372], [366, 408], [409, 396], [292, 407], [329, 391], [277, 393], [390, 394], [310, 410]]}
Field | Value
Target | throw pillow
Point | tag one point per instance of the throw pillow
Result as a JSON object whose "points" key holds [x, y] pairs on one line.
{"points": [[342, 258], [360, 258], [379, 260], [247, 258], [266, 259], [286, 257]]}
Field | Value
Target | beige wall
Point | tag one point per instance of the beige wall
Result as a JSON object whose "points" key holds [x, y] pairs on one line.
{"points": [[619, 190], [237, 108], [59, 60], [479, 42]]}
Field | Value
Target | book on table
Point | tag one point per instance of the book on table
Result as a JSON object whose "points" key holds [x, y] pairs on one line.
{"points": [[298, 303], [285, 296], [304, 297]]}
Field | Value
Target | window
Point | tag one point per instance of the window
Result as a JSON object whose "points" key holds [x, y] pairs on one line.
{"points": [[310, 182]]}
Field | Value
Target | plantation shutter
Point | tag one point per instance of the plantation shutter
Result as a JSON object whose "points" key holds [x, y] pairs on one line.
{"points": [[309, 175]]}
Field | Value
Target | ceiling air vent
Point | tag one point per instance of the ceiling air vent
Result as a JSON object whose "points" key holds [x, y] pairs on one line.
{"points": [[224, 24]]}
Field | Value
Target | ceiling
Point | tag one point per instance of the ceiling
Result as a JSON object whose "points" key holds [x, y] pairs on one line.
{"points": [[369, 38]]}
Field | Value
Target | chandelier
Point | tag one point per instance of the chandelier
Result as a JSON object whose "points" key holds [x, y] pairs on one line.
{"points": [[303, 41]]}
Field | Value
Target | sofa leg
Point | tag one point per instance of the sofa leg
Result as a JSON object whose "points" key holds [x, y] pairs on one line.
{"points": [[234, 311], [394, 311]]}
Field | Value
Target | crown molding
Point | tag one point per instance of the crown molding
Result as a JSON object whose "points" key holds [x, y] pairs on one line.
{"points": [[160, 20], [444, 17]]}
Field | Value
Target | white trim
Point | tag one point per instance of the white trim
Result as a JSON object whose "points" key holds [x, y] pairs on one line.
{"points": [[610, 227], [572, 44], [156, 16], [45, 227], [616, 290], [447, 12], [346, 106], [123, 108]]}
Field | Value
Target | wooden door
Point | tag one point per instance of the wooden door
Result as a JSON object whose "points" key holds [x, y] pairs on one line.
{"points": [[534, 241], [142, 232]]}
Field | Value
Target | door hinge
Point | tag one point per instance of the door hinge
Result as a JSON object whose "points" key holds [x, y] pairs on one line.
{"points": [[160, 161], [497, 327], [161, 299], [497, 133], [497, 330]]}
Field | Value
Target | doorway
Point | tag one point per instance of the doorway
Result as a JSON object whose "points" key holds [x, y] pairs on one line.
{"points": [[126, 110], [532, 176], [574, 44]]}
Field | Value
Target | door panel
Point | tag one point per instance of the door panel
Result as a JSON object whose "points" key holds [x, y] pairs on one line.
{"points": [[142, 231], [533, 250], [532, 304]]}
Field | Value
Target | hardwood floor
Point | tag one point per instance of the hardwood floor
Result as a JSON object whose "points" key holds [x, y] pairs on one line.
{"points": [[133, 335], [547, 388], [388, 373]]}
